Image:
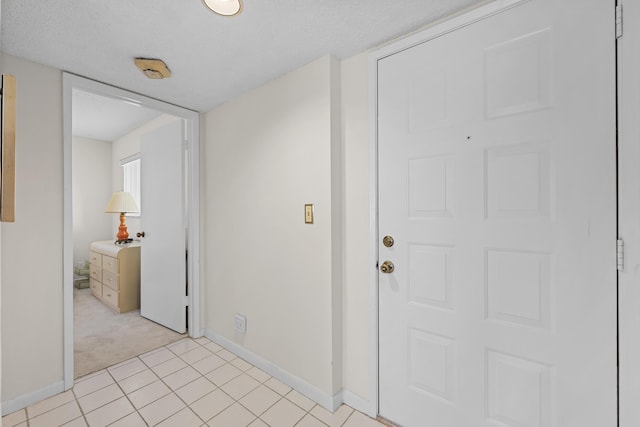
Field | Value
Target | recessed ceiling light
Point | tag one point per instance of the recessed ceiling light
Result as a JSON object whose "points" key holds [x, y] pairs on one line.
{"points": [[224, 7]]}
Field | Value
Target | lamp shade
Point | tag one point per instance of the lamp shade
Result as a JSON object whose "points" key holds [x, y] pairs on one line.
{"points": [[224, 7], [122, 202]]}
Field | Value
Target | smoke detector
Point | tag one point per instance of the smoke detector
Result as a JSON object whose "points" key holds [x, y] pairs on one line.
{"points": [[153, 68]]}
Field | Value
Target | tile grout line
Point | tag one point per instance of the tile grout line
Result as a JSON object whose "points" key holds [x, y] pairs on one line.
{"points": [[229, 362], [201, 376], [172, 391], [84, 416], [189, 364], [310, 414], [166, 385], [226, 362], [29, 418], [347, 419], [126, 395], [175, 355], [161, 379]]}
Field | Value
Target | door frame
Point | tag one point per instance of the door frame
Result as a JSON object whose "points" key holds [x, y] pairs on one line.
{"points": [[192, 118], [628, 214], [453, 23]]}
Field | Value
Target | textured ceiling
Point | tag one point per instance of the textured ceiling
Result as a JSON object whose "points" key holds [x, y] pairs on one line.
{"points": [[212, 58]]}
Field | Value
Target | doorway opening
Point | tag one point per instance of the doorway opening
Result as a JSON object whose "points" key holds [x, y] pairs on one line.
{"points": [[93, 293]]}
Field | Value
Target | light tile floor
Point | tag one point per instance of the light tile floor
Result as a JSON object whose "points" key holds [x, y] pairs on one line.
{"points": [[190, 383]]}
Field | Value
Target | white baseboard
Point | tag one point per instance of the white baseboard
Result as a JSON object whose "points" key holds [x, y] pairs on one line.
{"points": [[359, 403], [27, 399], [327, 401], [337, 401]]}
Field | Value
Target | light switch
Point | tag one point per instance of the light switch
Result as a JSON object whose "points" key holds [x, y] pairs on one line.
{"points": [[308, 214]]}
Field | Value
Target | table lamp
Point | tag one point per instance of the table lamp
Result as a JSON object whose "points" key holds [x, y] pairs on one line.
{"points": [[122, 202]]}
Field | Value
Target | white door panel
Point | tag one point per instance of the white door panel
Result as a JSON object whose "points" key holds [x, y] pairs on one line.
{"points": [[497, 181], [163, 252]]}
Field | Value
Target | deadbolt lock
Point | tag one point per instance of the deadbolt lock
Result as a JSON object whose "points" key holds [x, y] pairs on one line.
{"points": [[387, 267], [387, 241]]}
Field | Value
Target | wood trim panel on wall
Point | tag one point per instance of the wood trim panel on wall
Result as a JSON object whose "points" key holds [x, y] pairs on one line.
{"points": [[8, 154]]}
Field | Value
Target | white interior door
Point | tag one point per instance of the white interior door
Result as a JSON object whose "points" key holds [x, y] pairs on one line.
{"points": [[163, 252], [497, 183]]}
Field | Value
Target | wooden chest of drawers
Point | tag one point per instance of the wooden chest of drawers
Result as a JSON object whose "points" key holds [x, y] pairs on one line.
{"points": [[115, 274]]}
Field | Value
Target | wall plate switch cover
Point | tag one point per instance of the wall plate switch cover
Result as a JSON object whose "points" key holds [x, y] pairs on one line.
{"points": [[240, 322], [308, 214]]}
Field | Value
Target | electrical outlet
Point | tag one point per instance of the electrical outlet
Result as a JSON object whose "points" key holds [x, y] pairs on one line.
{"points": [[240, 323]]}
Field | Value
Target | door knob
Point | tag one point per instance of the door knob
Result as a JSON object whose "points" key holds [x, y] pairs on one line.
{"points": [[387, 267], [140, 234]]}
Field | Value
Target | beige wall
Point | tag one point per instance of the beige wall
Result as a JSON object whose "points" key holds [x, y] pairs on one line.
{"points": [[91, 188], [32, 337], [267, 154], [357, 266]]}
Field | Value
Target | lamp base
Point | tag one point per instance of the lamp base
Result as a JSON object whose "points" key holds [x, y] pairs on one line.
{"points": [[122, 229]]}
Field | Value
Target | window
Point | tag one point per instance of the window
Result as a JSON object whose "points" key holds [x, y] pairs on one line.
{"points": [[131, 178]]}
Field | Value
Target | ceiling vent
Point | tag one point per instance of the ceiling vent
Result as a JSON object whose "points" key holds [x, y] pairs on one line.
{"points": [[153, 68]]}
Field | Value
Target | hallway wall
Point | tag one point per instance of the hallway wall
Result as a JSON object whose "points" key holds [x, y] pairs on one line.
{"points": [[32, 308], [267, 154]]}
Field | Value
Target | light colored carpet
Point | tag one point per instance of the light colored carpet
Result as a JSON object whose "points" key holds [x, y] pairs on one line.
{"points": [[103, 338]]}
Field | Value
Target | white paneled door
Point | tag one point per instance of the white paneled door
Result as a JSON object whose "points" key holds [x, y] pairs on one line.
{"points": [[497, 184], [163, 277]]}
